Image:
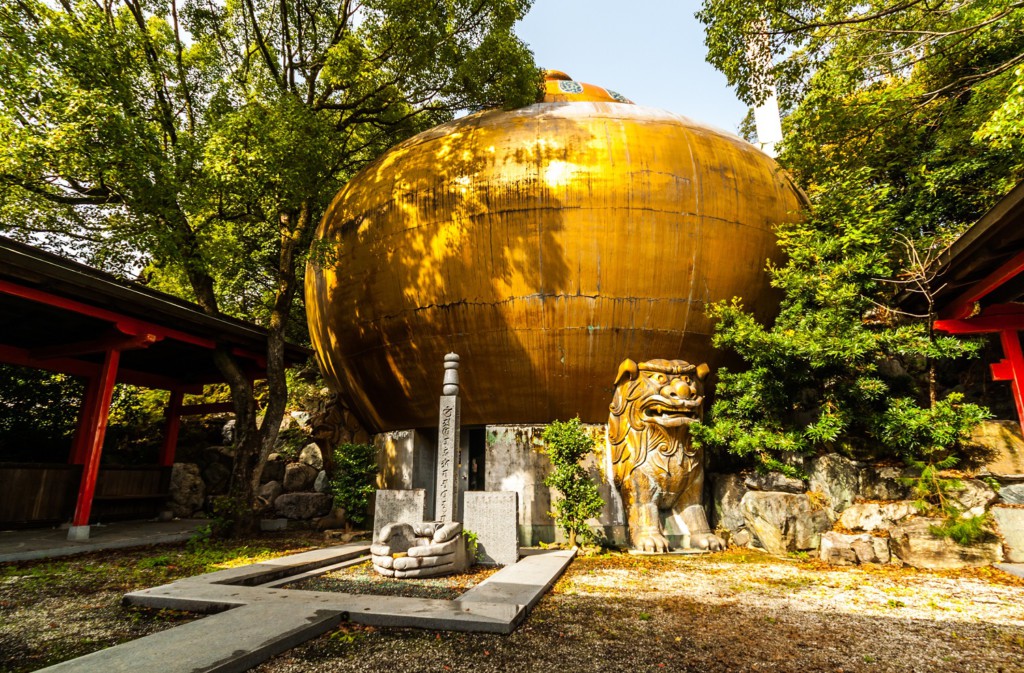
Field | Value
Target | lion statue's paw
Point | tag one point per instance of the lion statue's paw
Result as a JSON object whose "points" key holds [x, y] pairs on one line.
{"points": [[651, 542], [708, 541]]}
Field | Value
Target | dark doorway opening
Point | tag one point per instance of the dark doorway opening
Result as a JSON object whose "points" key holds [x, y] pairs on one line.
{"points": [[477, 459]]}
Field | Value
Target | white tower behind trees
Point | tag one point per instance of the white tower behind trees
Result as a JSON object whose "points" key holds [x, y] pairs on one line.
{"points": [[767, 120]]}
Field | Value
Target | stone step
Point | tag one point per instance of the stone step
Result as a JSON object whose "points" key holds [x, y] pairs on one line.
{"points": [[424, 613], [285, 566]]}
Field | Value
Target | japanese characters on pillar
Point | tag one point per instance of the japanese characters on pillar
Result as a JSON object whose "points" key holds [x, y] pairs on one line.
{"points": [[447, 499]]}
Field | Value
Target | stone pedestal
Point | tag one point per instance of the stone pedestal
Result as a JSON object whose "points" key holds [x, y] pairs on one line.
{"points": [[78, 533], [494, 517]]}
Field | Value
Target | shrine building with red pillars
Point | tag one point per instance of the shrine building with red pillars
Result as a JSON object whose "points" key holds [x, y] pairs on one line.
{"points": [[61, 316]]}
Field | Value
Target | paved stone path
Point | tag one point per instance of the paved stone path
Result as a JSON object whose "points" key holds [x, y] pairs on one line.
{"points": [[27, 545], [255, 622]]}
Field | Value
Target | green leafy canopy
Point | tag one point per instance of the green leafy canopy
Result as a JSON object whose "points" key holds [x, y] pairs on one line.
{"points": [[902, 125]]}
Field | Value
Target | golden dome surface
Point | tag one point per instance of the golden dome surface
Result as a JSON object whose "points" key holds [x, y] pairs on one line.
{"points": [[544, 245]]}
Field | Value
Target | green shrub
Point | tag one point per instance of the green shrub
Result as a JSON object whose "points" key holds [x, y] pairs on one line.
{"points": [[963, 531], [839, 369], [354, 479], [566, 444]]}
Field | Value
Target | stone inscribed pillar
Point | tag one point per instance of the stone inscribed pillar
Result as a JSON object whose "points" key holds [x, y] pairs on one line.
{"points": [[447, 497]]}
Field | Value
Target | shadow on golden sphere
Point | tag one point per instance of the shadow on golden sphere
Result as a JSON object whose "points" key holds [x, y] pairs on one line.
{"points": [[544, 245]]}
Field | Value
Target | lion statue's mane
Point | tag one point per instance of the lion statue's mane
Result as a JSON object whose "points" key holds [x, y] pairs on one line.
{"points": [[651, 459]]}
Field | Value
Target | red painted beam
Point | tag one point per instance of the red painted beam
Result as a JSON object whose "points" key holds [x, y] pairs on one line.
{"points": [[96, 429], [173, 423], [124, 323], [1015, 359], [963, 306], [116, 342], [1001, 371], [994, 318], [80, 444], [261, 360]]}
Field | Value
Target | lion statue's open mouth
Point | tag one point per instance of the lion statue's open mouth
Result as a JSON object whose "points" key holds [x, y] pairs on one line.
{"points": [[668, 414], [650, 455]]}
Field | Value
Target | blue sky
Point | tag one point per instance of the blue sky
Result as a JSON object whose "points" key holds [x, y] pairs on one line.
{"points": [[651, 51]]}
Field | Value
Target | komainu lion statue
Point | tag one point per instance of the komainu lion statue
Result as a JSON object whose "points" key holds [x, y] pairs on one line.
{"points": [[650, 456]]}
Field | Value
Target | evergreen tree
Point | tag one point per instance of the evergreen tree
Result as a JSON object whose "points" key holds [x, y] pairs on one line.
{"points": [[902, 124]]}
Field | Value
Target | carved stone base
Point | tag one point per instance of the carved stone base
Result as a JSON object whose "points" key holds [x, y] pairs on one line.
{"points": [[427, 549]]}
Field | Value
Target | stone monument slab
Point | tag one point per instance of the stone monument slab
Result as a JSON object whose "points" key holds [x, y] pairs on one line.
{"points": [[1011, 526], [398, 507], [494, 517]]}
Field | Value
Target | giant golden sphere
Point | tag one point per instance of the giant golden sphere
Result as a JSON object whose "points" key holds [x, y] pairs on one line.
{"points": [[544, 245]]}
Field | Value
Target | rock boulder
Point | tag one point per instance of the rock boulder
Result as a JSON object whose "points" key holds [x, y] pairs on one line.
{"points": [[836, 477], [974, 493], [1003, 446], [217, 477], [1010, 521], [310, 455], [273, 470], [783, 522], [298, 477], [1012, 494], [269, 491], [320, 483], [727, 492], [840, 549], [876, 516], [774, 481], [187, 490], [886, 482], [914, 544], [303, 505]]}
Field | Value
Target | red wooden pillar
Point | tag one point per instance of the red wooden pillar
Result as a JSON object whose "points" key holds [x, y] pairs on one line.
{"points": [[80, 444], [1013, 369], [96, 429], [173, 422]]}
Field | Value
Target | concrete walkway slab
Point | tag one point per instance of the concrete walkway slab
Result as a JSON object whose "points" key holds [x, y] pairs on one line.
{"points": [[285, 566], [523, 583], [257, 619], [230, 642], [29, 545]]}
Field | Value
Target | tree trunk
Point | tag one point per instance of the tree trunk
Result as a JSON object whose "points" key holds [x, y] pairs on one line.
{"points": [[252, 449], [241, 490], [252, 443]]}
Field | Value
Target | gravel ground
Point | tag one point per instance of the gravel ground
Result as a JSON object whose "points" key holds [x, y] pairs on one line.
{"points": [[731, 611], [363, 579], [734, 611]]}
